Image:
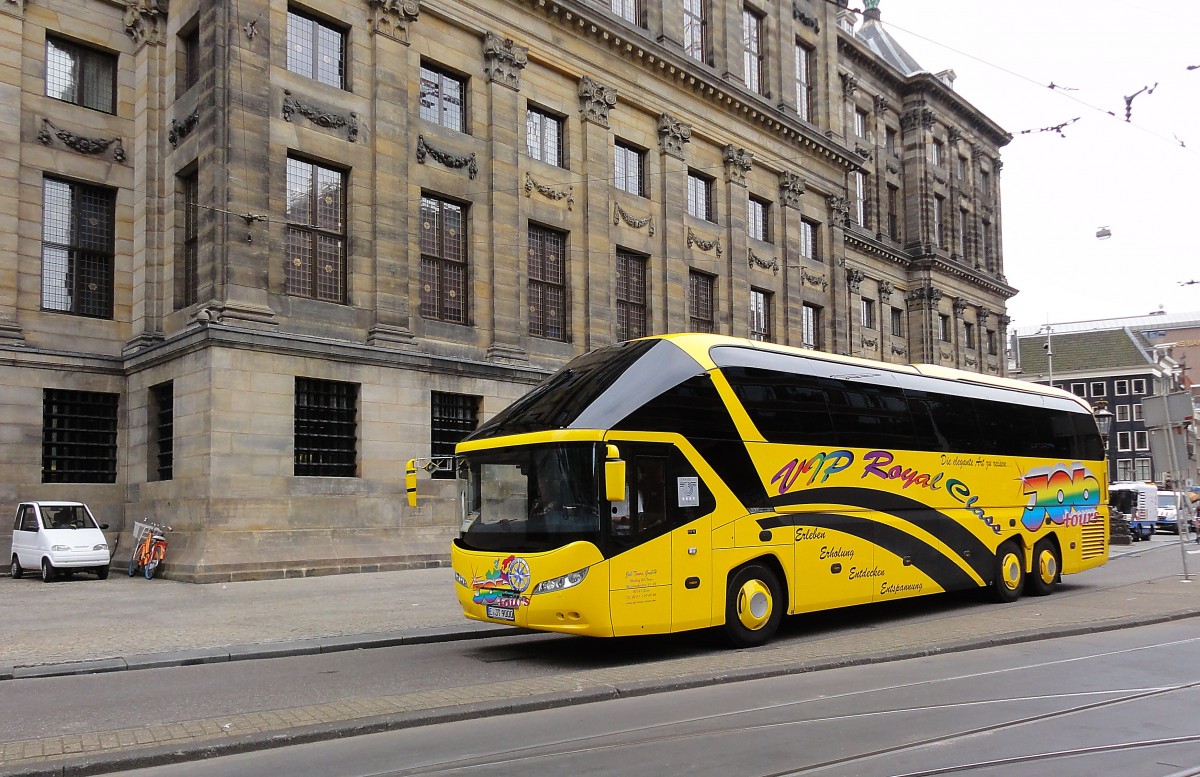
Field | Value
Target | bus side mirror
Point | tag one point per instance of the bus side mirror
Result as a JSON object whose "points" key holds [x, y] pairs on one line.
{"points": [[614, 475], [410, 481]]}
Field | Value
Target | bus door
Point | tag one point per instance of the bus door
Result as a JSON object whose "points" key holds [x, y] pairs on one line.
{"points": [[640, 572]]}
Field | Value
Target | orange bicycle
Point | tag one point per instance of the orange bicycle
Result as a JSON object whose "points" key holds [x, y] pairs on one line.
{"points": [[149, 548]]}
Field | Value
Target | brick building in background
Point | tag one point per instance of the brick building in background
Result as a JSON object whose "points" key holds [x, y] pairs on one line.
{"points": [[257, 253], [1122, 362]]}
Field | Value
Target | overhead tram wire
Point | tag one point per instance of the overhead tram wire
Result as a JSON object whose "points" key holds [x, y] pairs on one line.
{"points": [[1042, 84]]}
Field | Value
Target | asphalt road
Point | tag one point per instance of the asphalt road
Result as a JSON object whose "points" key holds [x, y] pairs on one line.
{"points": [[1119, 702], [98, 702]]}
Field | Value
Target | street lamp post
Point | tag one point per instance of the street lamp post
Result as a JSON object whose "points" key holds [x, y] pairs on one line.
{"points": [[1049, 354], [1118, 524]]}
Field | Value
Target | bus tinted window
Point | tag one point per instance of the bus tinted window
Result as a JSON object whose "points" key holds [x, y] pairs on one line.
{"points": [[784, 407], [868, 415], [806, 401], [596, 390], [943, 422]]}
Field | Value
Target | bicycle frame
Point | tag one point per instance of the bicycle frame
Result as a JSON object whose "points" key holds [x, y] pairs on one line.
{"points": [[149, 550]]}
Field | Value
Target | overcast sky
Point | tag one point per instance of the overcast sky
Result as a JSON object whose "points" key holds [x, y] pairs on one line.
{"points": [[1133, 178]]}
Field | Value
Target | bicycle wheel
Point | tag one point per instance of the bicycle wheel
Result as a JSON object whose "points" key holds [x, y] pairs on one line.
{"points": [[151, 569], [133, 565]]}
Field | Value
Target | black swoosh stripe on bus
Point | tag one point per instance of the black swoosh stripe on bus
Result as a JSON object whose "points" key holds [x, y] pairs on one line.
{"points": [[929, 560], [958, 538]]}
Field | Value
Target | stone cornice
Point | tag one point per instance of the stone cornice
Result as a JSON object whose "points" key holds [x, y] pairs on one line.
{"points": [[937, 264], [860, 56], [919, 260], [604, 28]]}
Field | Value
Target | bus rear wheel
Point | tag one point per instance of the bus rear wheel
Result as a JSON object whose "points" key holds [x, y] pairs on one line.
{"points": [[753, 606], [1047, 568], [1009, 575]]}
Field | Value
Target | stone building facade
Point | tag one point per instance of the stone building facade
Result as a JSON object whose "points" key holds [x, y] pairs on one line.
{"points": [[256, 254]]}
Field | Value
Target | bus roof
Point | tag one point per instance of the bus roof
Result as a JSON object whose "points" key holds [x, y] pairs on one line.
{"points": [[662, 383], [699, 345]]}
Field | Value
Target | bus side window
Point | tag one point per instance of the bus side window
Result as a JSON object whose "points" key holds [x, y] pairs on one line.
{"points": [[651, 483]]}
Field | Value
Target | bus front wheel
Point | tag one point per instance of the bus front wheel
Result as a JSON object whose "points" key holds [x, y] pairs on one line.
{"points": [[1009, 575], [753, 606], [1047, 568]]}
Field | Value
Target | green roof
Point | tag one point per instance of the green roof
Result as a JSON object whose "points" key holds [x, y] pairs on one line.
{"points": [[1105, 349]]}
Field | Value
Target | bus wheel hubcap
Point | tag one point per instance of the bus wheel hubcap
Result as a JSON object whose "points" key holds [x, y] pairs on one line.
{"points": [[1048, 567], [1012, 571], [754, 604]]}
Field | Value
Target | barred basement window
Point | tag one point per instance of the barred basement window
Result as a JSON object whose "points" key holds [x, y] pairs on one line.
{"points": [[326, 428], [452, 418], [79, 436], [162, 431]]}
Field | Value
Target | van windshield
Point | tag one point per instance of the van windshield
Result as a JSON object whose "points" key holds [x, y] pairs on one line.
{"points": [[67, 517]]}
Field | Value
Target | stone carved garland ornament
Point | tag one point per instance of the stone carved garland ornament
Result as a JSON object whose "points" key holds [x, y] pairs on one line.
{"points": [[754, 260], [703, 245], [326, 119], [446, 158], [180, 130], [814, 280], [549, 192], [89, 146], [637, 222]]}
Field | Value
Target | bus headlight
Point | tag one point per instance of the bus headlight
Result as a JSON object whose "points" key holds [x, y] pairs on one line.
{"points": [[460, 580], [561, 583], [60, 548]]}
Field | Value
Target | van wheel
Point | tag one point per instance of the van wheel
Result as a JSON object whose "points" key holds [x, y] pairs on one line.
{"points": [[753, 607], [47, 571], [15, 570], [102, 572], [1009, 573], [1047, 568]]}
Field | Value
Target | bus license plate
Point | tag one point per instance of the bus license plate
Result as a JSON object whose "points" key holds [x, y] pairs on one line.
{"points": [[502, 613]]}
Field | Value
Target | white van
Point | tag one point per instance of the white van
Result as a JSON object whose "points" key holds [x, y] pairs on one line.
{"points": [[58, 536], [1170, 503]]}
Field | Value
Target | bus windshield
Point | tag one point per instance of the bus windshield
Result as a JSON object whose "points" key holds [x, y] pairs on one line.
{"points": [[531, 498]]}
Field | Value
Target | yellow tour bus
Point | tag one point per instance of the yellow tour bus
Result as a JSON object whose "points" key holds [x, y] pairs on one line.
{"points": [[691, 481]]}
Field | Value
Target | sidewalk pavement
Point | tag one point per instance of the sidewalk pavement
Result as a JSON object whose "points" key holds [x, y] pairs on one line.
{"points": [[168, 623]]}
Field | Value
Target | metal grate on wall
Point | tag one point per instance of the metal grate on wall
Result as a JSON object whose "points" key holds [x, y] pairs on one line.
{"points": [[452, 417], [326, 428], [79, 436], [162, 410]]}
